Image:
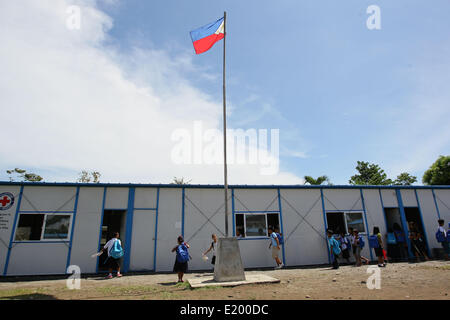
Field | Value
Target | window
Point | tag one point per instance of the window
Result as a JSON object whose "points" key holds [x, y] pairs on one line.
{"points": [[30, 227], [255, 224], [57, 227], [36, 227], [341, 221]]}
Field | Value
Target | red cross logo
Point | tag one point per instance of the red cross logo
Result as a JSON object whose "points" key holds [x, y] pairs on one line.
{"points": [[6, 200]]}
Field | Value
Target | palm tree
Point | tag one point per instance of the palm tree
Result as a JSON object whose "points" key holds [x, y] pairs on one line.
{"points": [[318, 181]]}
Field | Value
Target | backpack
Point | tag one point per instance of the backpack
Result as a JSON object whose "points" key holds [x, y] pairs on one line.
{"points": [[373, 242], [400, 236], [391, 238], [440, 236], [280, 238], [361, 242], [116, 250], [182, 253]]}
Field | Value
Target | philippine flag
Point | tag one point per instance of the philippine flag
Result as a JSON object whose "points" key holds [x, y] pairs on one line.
{"points": [[205, 37]]}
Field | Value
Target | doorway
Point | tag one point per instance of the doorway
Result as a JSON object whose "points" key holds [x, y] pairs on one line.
{"points": [[113, 221], [412, 214]]}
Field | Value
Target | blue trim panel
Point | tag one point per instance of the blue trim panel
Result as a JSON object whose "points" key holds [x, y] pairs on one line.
{"points": [[13, 231], [137, 185], [404, 222], [101, 225], [365, 219], [423, 224], [281, 224], [129, 229], [75, 207], [38, 212], [156, 230], [325, 225]]}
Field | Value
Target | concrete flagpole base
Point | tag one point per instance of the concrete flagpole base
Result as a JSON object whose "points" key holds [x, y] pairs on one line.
{"points": [[228, 266]]}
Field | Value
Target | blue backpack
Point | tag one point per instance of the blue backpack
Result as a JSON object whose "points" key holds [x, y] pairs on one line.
{"points": [[280, 238], [400, 236], [116, 251], [373, 242], [361, 242], [440, 236], [182, 253], [391, 238]]}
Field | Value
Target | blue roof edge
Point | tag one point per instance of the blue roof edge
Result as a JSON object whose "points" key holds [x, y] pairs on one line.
{"points": [[217, 186]]}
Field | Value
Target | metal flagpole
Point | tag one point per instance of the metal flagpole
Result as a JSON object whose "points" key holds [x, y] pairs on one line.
{"points": [[225, 128]]}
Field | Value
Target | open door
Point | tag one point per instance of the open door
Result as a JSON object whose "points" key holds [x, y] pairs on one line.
{"points": [[113, 221]]}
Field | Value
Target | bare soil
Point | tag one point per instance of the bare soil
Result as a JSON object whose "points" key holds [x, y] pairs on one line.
{"points": [[425, 280]]}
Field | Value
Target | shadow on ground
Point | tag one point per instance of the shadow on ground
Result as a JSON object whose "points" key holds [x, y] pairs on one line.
{"points": [[31, 296]]}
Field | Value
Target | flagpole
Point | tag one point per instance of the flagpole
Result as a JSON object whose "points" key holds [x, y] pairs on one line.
{"points": [[225, 127]]}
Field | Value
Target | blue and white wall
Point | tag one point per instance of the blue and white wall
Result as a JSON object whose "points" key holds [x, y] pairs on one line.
{"points": [[157, 214]]}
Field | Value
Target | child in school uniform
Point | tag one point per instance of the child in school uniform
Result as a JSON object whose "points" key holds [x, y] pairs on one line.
{"points": [[180, 267], [335, 250], [345, 247], [212, 248], [379, 251]]}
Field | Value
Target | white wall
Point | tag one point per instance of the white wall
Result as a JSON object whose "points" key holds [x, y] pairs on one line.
{"points": [[87, 228], [6, 223]]}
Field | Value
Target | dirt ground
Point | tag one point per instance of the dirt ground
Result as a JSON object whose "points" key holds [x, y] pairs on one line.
{"points": [[425, 280]]}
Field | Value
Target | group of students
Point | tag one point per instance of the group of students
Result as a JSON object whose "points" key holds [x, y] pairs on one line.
{"points": [[343, 244], [395, 247]]}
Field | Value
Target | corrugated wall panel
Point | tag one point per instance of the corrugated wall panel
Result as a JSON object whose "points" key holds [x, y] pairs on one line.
{"points": [[87, 228], [389, 198], [38, 258], [169, 227], [143, 240]]}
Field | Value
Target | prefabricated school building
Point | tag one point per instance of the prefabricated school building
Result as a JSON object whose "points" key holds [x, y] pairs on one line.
{"points": [[46, 227]]}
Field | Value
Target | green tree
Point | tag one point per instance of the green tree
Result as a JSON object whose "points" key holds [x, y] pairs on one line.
{"points": [[318, 181], [369, 174], [438, 173], [180, 181], [86, 177], [405, 179], [23, 175]]}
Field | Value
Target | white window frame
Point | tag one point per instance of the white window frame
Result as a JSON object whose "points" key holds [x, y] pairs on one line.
{"points": [[253, 214], [345, 219], [44, 225]]}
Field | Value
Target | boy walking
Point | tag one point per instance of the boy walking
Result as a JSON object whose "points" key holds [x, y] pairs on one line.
{"points": [[335, 250], [275, 245], [113, 263]]}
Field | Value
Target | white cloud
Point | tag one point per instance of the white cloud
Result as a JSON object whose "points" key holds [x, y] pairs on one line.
{"points": [[73, 102]]}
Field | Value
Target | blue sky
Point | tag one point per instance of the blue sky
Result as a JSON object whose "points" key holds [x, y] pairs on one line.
{"points": [[337, 91]]}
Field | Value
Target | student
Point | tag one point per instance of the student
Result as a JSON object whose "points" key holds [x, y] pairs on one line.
{"points": [[345, 247], [335, 250], [379, 250], [442, 238], [357, 243], [275, 245], [182, 258], [212, 248], [113, 263], [417, 243], [402, 245]]}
